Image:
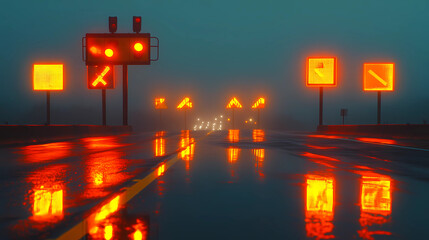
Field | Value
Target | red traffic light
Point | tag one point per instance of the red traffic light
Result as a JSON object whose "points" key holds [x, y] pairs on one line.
{"points": [[137, 24], [108, 52], [113, 24], [138, 47]]}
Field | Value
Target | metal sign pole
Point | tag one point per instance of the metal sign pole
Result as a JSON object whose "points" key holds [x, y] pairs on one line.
{"points": [[48, 107], [321, 106], [125, 95], [379, 107], [258, 118], [103, 106]]}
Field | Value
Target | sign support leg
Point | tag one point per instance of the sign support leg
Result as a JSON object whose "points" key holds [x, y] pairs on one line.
{"points": [[103, 106], [258, 118], [321, 106], [48, 107], [379, 107], [233, 119], [125, 95]]}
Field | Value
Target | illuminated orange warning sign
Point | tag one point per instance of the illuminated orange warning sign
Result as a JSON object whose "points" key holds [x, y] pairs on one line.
{"points": [[100, 77], [259, 104], [48, 77], [160, 103], [378, 76], [234, 103], [321, 72], [185, 104]]}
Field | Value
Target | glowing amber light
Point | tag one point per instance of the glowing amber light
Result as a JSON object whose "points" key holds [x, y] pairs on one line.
{"points": [[160, 103], [108, 232], [161, 170], [138, 47], [108, 52], [258, 135], [234, 103], [376, 195], [377, 140], [187, 144], [233, 154], [48, 77], [159, 144], [107, 209], [259, 104], [141, 231], [319, 210], [185, 103], [233, 135], [48, 202], [94, 50], [100, 77], [259, 154], [321, 72], [378, 76]]}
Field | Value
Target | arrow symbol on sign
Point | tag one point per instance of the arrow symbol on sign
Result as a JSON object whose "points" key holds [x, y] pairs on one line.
{"points": [[100, 77], [381, 80], [318, 72]]}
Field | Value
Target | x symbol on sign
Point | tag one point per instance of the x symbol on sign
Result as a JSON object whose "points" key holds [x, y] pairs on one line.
{"points": [[100, 77]]}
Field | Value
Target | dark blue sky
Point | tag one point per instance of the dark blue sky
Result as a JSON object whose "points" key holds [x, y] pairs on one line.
{"points": [[211, 50]]}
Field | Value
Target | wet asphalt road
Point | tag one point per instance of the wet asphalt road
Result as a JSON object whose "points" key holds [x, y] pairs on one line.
{"points": [[216, 185]]}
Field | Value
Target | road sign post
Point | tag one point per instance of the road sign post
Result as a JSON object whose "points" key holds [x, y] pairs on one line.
{"points": [[48, 77], [185, 104], [321, 72], [125, 95], [233, 104], [260, 103], [160, 104], [378, 77], [103, 106], [101, 77], [48, 107]]}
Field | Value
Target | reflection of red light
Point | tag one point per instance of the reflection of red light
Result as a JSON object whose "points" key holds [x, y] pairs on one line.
{"points": [[233, 154], [319, 157], [258, 135], [376, 203], [159, 144], [48, 194], [259, 154], [319, 147], [188, 145], [140, 231], [319, 209], [325, 136], [46, 152], [161, 169], [233, 135], [377, 140]]}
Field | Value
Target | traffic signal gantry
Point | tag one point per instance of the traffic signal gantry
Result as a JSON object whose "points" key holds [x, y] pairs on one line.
{"points": [[102, 51]]}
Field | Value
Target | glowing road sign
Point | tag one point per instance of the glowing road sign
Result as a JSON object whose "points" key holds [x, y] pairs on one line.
{"points": [[234, 103], [378, 76], [259, 104], [48, 77], [160, 103], [100, 77], [321, 72], [185, 104]]}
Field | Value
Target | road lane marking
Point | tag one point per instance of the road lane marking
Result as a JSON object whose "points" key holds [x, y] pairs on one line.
{"points": [[82, 228], [381, 80]]}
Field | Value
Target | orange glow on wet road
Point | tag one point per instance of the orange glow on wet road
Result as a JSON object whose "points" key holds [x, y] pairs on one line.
{"points": [[377, 140], [376, 205], [159, 144], [188, 145], [319, 211], [46, 152], [232, 153], [258, 135], [161, 170], [233, 135]]}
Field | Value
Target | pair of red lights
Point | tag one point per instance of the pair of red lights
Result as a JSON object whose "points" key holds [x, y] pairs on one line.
{"points": [[138, 47]]}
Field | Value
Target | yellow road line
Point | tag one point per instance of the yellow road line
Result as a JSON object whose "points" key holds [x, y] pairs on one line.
{"points": [[81, 229]]}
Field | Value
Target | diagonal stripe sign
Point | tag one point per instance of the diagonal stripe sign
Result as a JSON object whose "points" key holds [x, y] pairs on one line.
{"points": [[100, 77], [381, 80], [378, 76]]}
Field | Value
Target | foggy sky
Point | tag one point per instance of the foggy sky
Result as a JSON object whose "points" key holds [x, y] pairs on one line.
{"points": [[213, 50]]}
